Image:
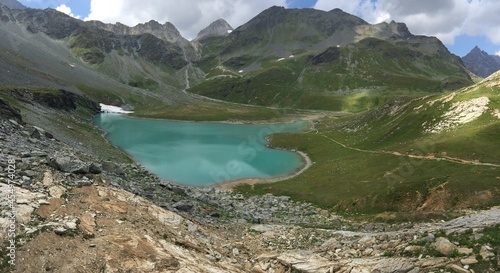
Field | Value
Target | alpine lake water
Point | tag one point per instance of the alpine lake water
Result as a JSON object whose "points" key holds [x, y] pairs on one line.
{"points": [[201, 153]]}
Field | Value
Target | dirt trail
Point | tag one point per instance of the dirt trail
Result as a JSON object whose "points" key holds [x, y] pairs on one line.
{"points": [[425, 157]]}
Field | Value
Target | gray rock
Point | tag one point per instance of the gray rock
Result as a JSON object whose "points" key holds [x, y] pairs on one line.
{"points": [[178, 190], [214, 214], [48, 135], [94, 169], [36, 134], [28, 173], [112, 167], [309, 213], [68, 165], [429, 238], [81, 183], [183, 205]]}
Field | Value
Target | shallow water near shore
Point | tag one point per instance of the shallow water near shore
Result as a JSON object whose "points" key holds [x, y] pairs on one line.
{"points": [[201, 153]]}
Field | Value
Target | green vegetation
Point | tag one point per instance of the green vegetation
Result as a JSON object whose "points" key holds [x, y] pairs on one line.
{"points": [[100, 95], [144, 83], [353, 78], [384, 160], [210, 111]]}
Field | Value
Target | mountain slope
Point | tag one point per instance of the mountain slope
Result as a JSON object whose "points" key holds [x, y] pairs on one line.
{"points": [[432, 153], [49, 48], [12, 4], [353, 77], [481, 63], [167, 32], [313, 59], [217, 28]]}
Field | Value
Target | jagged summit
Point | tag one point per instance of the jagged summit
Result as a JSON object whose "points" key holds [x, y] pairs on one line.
{"points": [[12, 4], [481, 63], [216, 29], [166, 31]]}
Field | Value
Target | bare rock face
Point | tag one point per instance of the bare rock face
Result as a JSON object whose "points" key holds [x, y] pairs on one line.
{"points": [[481, 63], [216, 29], [167, 31]]}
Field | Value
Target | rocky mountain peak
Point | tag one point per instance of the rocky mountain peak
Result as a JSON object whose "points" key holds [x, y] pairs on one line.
{"points": [[216, 29], [12, 4], [481, 63], [167, 31]]}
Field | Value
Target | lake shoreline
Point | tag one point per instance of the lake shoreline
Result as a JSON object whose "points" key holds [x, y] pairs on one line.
{"points": [[230, 185]]}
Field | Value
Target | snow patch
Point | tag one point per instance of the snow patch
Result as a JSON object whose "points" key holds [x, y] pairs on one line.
{"points": [[280, 59], [113, 109], [229, 31]]}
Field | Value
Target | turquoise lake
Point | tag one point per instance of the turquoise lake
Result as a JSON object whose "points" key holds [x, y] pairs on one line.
{"points": [[201, 153]]}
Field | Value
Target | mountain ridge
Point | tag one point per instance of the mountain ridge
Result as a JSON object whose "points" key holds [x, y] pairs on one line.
{"points": [[217, 28], [481, 63]]}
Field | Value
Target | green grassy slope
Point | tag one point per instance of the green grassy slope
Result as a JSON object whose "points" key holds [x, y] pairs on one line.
{"points": [[354, 78], [387, 159]]}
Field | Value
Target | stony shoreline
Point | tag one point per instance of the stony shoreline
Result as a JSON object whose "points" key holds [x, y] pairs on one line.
{"points": [[229, 185]]}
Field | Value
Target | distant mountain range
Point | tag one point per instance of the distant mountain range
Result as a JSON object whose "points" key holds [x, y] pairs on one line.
{"points": [[299, 58], [481, 63]]}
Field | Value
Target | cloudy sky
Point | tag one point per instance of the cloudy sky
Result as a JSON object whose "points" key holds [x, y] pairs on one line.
{"points": [[460, 24]]}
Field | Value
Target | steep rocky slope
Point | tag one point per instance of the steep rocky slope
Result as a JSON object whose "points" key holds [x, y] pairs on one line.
{"points": [[12, 4], [481, 63], [167, 32], [47, 49]]}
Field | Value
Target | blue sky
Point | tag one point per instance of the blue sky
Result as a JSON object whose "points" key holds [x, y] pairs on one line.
{"points": [[460, 24]]}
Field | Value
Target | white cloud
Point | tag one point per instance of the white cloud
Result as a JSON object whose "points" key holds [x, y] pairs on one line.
{"points": [[497, 53], [189, 16], [445, 19], [67, 10]]}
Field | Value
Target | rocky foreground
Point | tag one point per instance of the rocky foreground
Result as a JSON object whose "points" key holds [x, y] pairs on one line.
{"points": [[77, 213]]}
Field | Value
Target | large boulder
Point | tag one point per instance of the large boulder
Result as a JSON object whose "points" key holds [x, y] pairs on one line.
{"points": [[69, 165], [444, 246], [183, 205], [111, 167]]}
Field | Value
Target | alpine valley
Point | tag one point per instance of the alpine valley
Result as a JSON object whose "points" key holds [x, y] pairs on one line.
{"points": [[403, 165]]}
